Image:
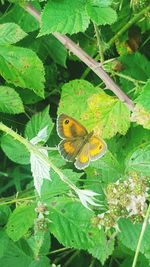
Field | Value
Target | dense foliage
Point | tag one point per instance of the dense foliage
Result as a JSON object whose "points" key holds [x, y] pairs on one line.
{"points": [[51, 213]]}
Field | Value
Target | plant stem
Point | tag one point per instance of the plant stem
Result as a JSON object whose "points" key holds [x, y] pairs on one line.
{"points": [[99, 43], [128, 25], [141, 237], [90, 62]]}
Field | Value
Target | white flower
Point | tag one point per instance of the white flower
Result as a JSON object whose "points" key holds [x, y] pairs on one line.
{"points": [[87, 197], [136, 205]]}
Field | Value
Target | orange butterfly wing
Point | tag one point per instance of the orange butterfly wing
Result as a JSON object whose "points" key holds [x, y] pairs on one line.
{"points": [[94, 149], [67, 127]]}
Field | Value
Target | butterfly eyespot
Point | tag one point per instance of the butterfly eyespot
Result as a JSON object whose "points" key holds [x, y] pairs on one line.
{"points": [[66, 121]]}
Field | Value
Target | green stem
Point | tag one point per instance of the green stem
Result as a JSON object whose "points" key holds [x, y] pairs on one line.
{"points": [[34, 149], [128, 78], [99, 43], [118, 34], [141, 237], [128, 25]]}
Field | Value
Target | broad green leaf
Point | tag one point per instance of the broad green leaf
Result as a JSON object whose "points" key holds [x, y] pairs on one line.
{"points": [[10, 101], [141, 262], [10, 33], [103, 171], [76, 91], [141, 116], [57, 186], [72, 226], [20, 221], [11, 254], [129, 235], [64, 17], [14, 150], [139, 160], [55, 49], [137, 67], [5, 212], [40, 242], [43, 261], [102, 249], [101, 14], [105, 114], [18, 15], [23, 68], [28, 96], [38, 122], [71, 223], [144, 97]]}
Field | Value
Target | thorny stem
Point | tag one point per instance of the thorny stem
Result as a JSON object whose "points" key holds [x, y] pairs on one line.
{"points": [[90, 62], [118, 34]]}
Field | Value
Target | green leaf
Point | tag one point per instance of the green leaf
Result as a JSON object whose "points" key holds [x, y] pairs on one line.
{"points": [[14, 150], [10, 33], [143, 99], [43, 261], [103, 171], [38, 122], [71, 225], [18, 15], [57, 186], [40, 242], [5, 212], [104, 248], [23, 68], [105, 114], [64, 17], [55, 49], [20, 221], [10, 102], [76, 91], [66, 227], [139, 160], [101, 14], [137, 67], [129, 235], [11, 254]]}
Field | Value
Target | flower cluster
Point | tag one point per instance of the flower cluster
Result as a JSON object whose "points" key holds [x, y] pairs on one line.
{"points": [[126, 199], [41, 222]]}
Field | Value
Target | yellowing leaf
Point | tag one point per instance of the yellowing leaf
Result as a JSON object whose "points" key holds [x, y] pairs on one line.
{"points": [[141, 116], [110, 115], [96, 110]]}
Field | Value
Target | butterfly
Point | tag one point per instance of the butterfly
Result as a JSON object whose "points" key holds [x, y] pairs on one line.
{"points": [[78, 145]]}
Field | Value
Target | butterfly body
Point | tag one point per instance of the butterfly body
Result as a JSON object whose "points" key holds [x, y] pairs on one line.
{"points": [[77, 144]]}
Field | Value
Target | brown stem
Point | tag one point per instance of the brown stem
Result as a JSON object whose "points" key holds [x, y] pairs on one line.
{"points": [[90, 62]]}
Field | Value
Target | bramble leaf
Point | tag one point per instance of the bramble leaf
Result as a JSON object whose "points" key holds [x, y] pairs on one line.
{"points": [[20, 221], [105, 114], [64, 17], [10, 101], [139, 160], [22, 67], [144, 97], [10, 33], [101, 13], [38, 122], [10, 146]]}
